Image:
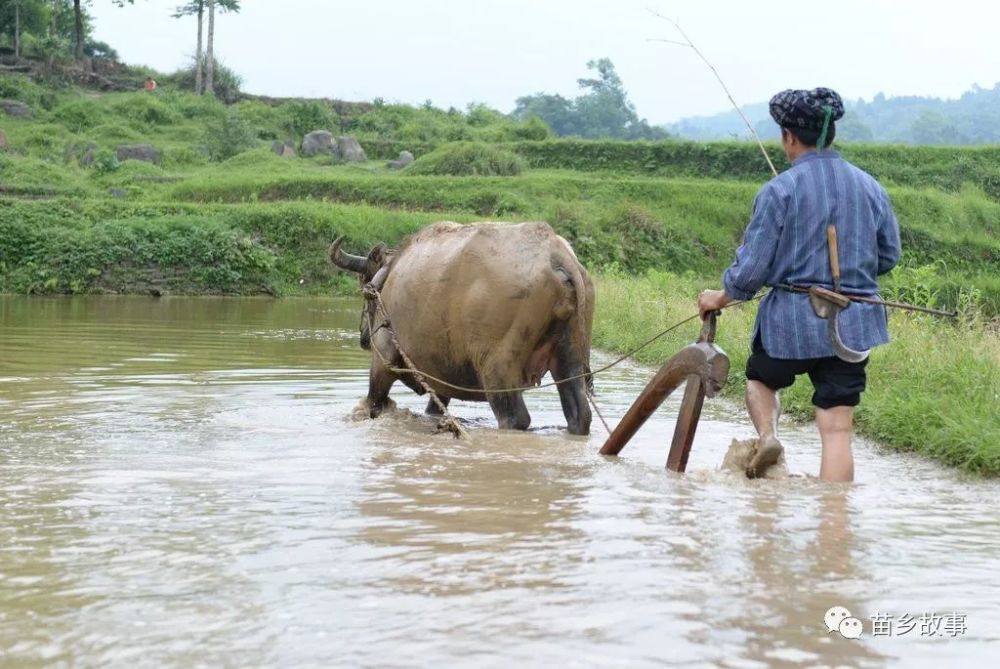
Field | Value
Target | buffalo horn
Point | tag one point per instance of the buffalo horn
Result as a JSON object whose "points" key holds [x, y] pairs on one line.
{"points": [[352, 263]]}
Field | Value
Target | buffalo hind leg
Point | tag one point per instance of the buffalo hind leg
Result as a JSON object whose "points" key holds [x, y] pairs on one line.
{"points": [[575, 406], [573, 394], [510, 411], [432, 407]]}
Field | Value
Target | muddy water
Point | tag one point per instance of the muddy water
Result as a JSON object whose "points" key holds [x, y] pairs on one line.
{"points": [[180, 485]]}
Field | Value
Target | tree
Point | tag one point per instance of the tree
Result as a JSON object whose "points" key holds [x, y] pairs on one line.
{"points": [[23, 17], [853, 129], [224, 6], [53, 44], [197, 8], [42, 20], [77, 30], [210, 56], [603, 110], [934, 127], [555, 110], [17, 28]]}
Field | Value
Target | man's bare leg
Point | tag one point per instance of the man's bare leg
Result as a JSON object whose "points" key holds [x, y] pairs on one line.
{"points": [[764, 407], [835, 428]]}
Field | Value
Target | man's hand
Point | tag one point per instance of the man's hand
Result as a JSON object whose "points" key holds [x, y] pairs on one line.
{"points": [[711, 300]]}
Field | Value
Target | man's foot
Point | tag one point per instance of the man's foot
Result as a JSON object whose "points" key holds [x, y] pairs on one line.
{"points": [[769, 449]]}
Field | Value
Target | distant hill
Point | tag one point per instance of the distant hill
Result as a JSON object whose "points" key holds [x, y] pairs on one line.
{"points": [[973, 118]]}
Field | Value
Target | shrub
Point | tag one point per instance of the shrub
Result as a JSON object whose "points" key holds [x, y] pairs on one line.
{"points": [[421, 132], [199, 107], [428, 124], [225, 82], [46, 140], [261, 157], [43, 47], [304, 116], [77, 116], [185, 155], [111, 133], [268, 122], [98, 49], [383, 120], [33, 176], [480, 116], [105, 162], [142, 110], [20, 87], [468, 159], [187, 253], [534, 129], [234, 135], [639, 240], [410, 124]]}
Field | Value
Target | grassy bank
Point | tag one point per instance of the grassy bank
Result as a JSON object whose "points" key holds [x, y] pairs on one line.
{"points": [[637, 222], [951, 240], [191, 130], [934, 390], [72, 246]]}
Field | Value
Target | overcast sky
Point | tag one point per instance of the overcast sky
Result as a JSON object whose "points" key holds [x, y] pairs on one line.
{"points": [[458, 51]]}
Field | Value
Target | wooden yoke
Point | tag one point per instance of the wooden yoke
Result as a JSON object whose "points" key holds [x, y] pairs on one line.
{"points": [[705, 368]]}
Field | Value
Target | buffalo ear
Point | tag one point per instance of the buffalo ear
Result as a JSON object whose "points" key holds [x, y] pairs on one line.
{"points": [[378, 255]]}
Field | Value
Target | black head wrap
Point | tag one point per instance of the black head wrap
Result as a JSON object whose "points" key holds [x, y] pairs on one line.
{"points": [[806, 109]]}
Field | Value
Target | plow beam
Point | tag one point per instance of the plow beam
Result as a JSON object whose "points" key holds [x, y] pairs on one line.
{"points": [[705, 368]]}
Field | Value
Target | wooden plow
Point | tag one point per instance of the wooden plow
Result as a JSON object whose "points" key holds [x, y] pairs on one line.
{"points": [[705, 368]]}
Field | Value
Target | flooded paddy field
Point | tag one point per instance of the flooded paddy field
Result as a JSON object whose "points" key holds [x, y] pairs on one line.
{"points": [[181, 484]]}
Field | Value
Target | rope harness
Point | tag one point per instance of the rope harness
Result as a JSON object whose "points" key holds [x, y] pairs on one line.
{"points": [[448, 422], [451, 424]]}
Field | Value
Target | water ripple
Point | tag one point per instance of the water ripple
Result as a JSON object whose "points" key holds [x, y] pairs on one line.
{"points": [[182, 484]]}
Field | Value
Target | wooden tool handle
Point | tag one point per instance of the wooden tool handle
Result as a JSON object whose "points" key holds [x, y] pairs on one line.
{"points": [[708, 328], [831, 240]]}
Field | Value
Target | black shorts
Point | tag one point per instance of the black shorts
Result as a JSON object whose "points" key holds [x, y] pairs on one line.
{"points": [[836, 383]]}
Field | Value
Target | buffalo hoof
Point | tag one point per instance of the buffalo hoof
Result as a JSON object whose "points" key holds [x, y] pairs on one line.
{"points": [[365, 410], [433, 409]]}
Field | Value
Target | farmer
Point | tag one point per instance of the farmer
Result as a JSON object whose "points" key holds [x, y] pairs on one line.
{"points": [[150, 85], [786, 244]]}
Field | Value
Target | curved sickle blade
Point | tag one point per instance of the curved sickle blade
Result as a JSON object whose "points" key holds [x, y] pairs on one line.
{"points": [[840, 349], [827, 305]]}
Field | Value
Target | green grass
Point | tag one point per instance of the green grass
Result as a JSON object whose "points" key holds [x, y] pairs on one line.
{"points": [[947, 168], [941, 167], [88, 245], [637, 223], [468, 159], [933, 390]]}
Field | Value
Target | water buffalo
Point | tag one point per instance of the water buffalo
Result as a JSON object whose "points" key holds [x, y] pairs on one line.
{"points": [[484, 306]]}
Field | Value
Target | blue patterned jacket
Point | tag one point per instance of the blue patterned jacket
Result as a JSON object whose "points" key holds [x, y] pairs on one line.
{"points": [[786, 243]]}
